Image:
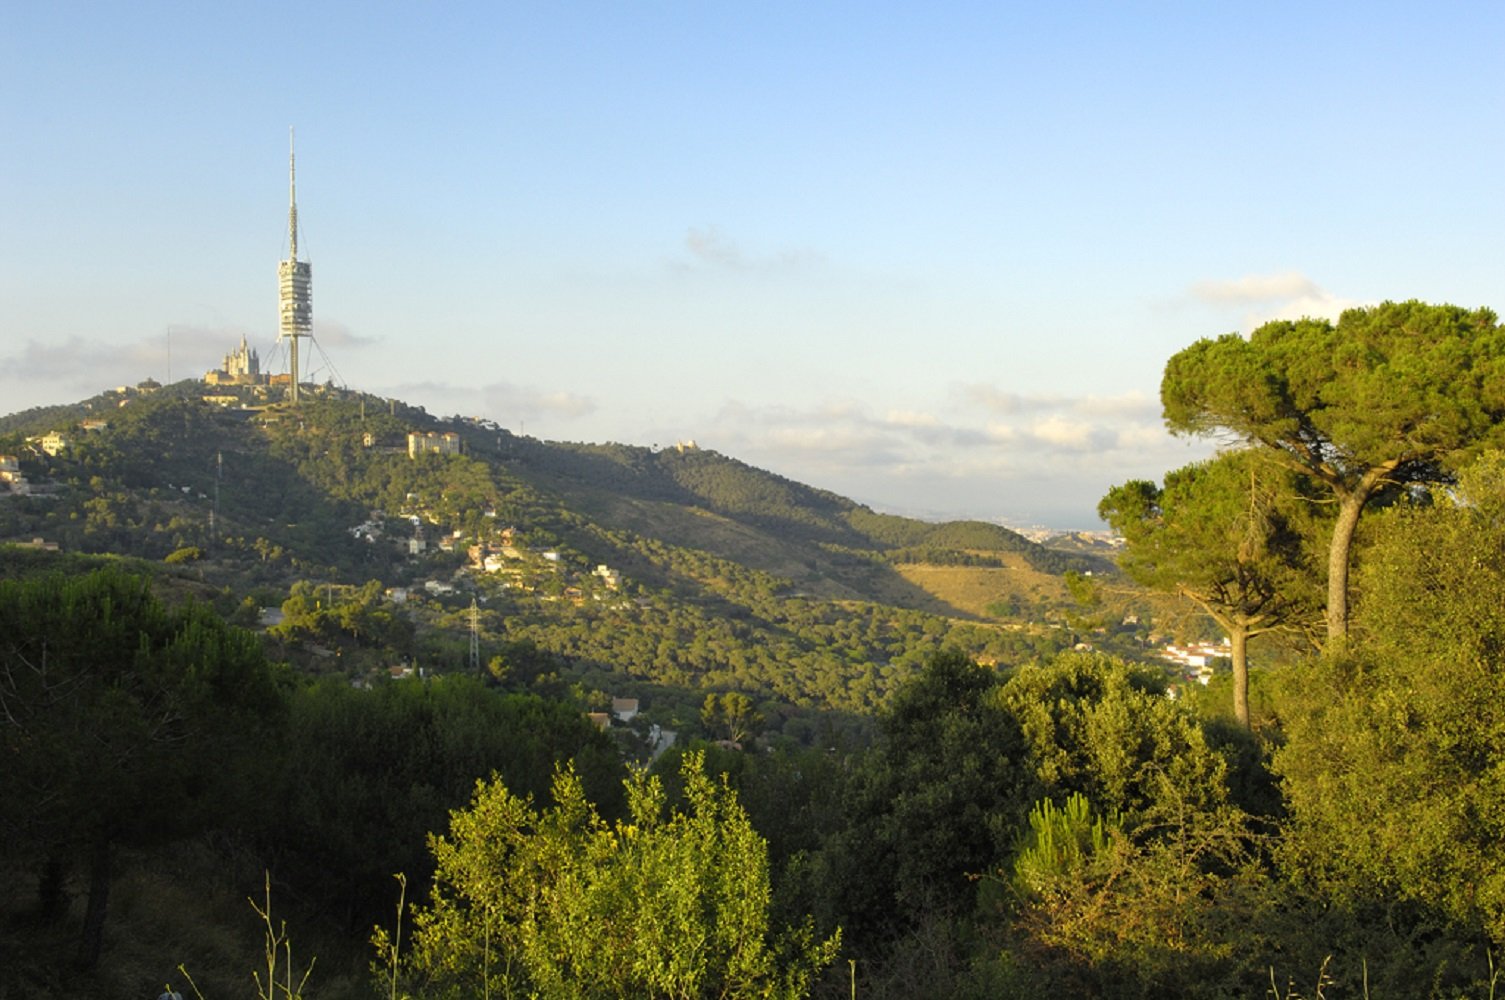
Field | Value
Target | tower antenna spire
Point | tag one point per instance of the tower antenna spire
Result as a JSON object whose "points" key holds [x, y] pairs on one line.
{"points": [[292, 196]]}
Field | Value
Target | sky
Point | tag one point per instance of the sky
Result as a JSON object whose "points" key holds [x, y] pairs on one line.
{"points": [[929, 256]]}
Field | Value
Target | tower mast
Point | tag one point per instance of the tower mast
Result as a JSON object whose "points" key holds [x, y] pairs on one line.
{"points": [[294, 280]]}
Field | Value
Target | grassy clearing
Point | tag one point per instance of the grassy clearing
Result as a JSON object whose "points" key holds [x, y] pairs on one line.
{"points": [[974, 588]]}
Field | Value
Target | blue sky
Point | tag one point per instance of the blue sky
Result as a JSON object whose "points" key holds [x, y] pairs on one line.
{"points": [[933, 257]]}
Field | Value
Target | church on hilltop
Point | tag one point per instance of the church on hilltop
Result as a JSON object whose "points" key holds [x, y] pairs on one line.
{"points": [[241, 366]]}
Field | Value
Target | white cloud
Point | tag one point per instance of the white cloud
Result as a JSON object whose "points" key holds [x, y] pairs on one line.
{"points": [[1257, 288], [843, 434], [1064, 432], [1321, 306], [1050, 464], [1002, 433], [1140, 436], [911, 418], [1266, 297]]}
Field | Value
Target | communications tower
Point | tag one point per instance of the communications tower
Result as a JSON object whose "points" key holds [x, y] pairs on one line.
{"points": [[294, 280]]}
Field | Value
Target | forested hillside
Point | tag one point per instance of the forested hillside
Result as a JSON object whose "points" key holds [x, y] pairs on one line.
{"points": [[718, 576]]}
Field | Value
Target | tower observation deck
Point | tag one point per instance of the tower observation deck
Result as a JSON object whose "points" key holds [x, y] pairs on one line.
{"points": [[294, 282]]}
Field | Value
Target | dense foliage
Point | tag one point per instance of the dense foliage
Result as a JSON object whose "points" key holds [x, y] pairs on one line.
{"points": [[559, 903], [1395, 394], [120, 717], [1401, 763]]}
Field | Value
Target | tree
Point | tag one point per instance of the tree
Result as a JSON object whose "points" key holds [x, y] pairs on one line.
{"points": [[123, 723], [365, 775], [966, 753], [1394, 753], [1135, 875], [560, 904], [1391, 395], [1225, 535], [730, 715], [1097, 725], [1101, 910]]}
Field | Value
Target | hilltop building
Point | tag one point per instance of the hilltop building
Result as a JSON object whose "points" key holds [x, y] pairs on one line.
{"points": [[241, 366]]}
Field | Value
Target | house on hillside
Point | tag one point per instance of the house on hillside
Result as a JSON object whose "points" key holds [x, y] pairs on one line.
{"points": [[1196, 660], [433, 442], [11, 477], [625, 709], [367, 530], [53, 443], [1197, 655]]}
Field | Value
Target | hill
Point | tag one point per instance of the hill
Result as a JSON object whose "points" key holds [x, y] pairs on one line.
{"points": [[604, 567]]}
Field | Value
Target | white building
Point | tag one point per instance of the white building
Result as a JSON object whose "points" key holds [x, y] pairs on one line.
{"points": [[427, 442]]}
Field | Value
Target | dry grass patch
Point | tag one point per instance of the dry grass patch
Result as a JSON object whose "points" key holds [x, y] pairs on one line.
{"points": [[974, 588]]}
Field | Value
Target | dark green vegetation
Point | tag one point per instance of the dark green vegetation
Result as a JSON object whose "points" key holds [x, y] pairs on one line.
{"points": [[870, 789], [1386, 397], [1232, 535]]}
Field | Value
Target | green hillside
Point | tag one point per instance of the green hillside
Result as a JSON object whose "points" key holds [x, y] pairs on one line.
{"points": [[609, 569]]}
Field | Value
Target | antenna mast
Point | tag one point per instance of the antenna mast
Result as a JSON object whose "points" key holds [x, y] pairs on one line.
{"points": [[292, 197], [294, 280]]}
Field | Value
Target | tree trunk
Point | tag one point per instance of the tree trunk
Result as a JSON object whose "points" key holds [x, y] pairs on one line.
{"points": [[1337, 568], [1238, 639], [1340, 552], [92, 938]]}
